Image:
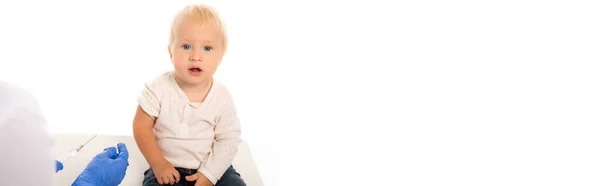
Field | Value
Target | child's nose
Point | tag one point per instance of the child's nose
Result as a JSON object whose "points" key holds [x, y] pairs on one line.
{"points": [[196, 57]]}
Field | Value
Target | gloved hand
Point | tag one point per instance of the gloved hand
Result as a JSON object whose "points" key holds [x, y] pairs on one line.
{"points": [[59, 166], [106, 169]]}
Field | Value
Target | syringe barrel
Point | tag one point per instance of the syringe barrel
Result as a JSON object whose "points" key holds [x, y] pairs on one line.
{"points": [[64, 157]]}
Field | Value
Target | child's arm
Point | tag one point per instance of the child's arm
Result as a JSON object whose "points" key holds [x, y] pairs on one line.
{"points": [[144, 137], [225, 147], [143, 132]]}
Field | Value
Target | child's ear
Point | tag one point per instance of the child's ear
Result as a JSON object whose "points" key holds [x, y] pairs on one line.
{"points": [[170, 52]]}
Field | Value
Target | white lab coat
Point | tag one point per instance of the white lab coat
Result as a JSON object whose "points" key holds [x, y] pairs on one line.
{"points": [[25, 144]]}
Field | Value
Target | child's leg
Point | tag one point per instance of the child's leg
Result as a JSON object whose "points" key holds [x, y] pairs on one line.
{"points": [[231, 178], [150, 180]]}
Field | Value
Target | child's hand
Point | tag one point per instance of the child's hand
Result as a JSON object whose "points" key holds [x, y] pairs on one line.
{"points": [[165, 173], [201, 180]]}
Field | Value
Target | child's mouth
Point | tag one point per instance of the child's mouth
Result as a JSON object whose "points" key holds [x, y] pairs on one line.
{"points": [[195, 71]]}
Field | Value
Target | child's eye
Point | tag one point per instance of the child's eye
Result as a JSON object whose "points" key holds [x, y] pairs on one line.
{"points": [[207, 48], [186, 47]]}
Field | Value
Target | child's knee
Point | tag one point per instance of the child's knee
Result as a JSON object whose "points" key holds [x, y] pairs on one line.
{"points": [[231, 178], [231, 181], [149, 179]]}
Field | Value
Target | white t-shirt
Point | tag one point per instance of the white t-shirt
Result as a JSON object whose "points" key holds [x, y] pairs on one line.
{"points": [[25, 158], [193, 135]]}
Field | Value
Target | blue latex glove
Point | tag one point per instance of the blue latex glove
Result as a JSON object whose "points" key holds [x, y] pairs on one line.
{"points": [[106, 169], [59, 166]]}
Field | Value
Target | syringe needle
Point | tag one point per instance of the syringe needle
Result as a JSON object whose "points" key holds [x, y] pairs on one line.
{"points": [[73, 151], [80, 147]]}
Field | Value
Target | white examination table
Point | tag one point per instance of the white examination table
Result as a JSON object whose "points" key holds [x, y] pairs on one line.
{"points": [[243, 162]]}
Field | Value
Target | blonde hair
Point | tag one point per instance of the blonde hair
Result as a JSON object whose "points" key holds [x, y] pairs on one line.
{"points": [[203, 14]]}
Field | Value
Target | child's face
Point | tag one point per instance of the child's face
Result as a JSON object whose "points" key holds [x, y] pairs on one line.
{"points": [[196, 52]]}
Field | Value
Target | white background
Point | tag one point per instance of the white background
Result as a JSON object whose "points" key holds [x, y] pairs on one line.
{"points": [[345, 93]]}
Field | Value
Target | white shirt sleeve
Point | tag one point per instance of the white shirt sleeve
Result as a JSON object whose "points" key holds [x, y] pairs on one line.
{"points": [[225, 146], [24, 141], [149, 100]]}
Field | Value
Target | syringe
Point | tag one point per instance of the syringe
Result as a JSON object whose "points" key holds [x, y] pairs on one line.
{"points": [[64, 157]]}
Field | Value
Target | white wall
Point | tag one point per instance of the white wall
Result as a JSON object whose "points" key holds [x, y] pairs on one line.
{"points": [[347, 93]]}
